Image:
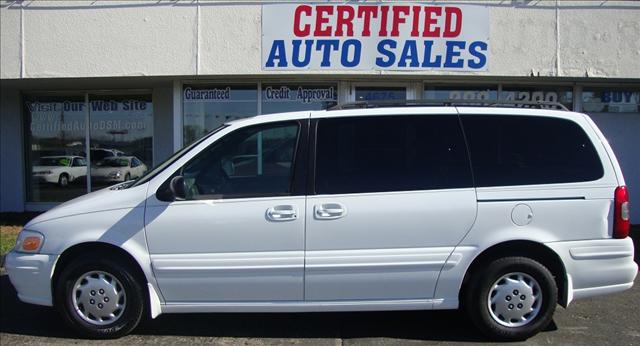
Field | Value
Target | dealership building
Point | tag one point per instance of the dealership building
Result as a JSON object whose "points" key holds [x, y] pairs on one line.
{"points": [[124, 84]]}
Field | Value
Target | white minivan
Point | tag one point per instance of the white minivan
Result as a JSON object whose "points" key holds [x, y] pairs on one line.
{"points": [[504, 212]]}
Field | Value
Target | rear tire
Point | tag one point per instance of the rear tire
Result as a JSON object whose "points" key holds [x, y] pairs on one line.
{"points": [[511, 298], [98, 297]]}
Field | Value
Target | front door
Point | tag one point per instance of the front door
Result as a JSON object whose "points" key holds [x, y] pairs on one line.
{"points": [[239, 233], [393, 196]]}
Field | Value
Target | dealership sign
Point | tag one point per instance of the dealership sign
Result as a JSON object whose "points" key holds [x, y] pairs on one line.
{"points": [[401, 36]]}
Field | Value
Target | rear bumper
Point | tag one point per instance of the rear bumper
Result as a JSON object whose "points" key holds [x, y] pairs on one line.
{"points": [[596, 267], [31, 274]]}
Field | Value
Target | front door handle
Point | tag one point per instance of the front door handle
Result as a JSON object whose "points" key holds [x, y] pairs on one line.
{"points": [[282, 213], [329, 211]]}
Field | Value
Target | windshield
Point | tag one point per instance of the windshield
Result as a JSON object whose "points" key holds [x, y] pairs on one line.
{"points": [[113, 162], [54, 161], [166, 163]]}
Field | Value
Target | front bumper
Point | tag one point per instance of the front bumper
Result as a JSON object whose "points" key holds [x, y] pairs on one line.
{"points": [[49, 178], [31, 275], [597, 267]]}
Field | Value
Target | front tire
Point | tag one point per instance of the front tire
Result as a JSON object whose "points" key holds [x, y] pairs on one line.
{"points": [[99, 297], [512, 299], [63, 180]]}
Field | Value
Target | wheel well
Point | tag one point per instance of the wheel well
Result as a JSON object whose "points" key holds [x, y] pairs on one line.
{"points": [[102, 249], [522, 248]]}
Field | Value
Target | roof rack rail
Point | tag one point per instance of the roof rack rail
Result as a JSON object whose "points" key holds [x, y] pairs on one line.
{"points": [[450, 103]]}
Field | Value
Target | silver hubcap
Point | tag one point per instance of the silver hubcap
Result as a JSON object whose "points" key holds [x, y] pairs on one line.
{"points": [[514, 299], [99, 298]]}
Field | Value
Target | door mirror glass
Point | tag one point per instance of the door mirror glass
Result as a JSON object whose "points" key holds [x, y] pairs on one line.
{"points": [[177, 188]]}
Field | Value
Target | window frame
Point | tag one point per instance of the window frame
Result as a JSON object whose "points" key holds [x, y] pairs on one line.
{"points": [[297, 184]]}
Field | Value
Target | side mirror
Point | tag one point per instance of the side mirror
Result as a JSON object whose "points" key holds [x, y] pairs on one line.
{"points": [[177, 188]]}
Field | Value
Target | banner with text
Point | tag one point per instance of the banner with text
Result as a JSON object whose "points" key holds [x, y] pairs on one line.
{"points": [[375, 37]]}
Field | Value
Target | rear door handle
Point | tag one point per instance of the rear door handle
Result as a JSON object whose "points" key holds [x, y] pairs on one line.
{"points": [[329, 211], [282, 213]]}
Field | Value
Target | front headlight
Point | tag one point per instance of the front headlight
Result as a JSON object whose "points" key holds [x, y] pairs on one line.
{"points": [[115, 174], [29, 241]]}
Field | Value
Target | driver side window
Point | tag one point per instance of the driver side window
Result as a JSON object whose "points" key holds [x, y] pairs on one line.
{"points": [[251, 162]]}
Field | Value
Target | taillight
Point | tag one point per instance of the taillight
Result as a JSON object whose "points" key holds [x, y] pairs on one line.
{"points": [[621, 221]]}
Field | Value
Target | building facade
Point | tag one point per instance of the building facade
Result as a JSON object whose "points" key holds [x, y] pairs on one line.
{"points": [[94, 92]]}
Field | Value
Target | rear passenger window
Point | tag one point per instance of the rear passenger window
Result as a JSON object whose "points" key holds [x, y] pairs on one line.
{"points": [[390, 153], [522, 150]]}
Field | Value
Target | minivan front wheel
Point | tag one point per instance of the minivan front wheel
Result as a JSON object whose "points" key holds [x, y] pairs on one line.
{"points": [[99, 298], [512, 299]]}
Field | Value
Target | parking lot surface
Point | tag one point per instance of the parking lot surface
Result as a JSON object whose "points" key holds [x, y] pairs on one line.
{"points": [[605, 320], [608, 320]]}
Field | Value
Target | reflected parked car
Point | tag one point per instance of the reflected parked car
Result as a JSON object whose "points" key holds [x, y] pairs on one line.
{"points": [[99, 154], [60, 170], [118, 168]]}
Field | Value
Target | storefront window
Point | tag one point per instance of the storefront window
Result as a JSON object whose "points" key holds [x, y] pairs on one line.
{"points": [[121, 130], [367, 93], [563, 95], [121, 138], [602, 100], [278, 98], [206, 107], [57, 170], [460, 93]]}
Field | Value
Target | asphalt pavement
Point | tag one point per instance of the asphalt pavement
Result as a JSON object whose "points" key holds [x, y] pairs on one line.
{"points": [[606, 320]]}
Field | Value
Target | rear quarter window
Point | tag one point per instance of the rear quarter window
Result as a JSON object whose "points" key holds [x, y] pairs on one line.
{"points": [[526, 150]]}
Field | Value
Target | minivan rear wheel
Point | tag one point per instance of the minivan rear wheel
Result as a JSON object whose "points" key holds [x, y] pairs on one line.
{"points": [[512, 299], [99, 297]]}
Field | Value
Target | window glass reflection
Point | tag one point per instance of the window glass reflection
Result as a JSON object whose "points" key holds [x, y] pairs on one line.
{"points": [[277, 98], [461, 93], [563, 95], [55, 133], [366, 93], [205, 107], [121, 127], [121, 137], [610, 101]]}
